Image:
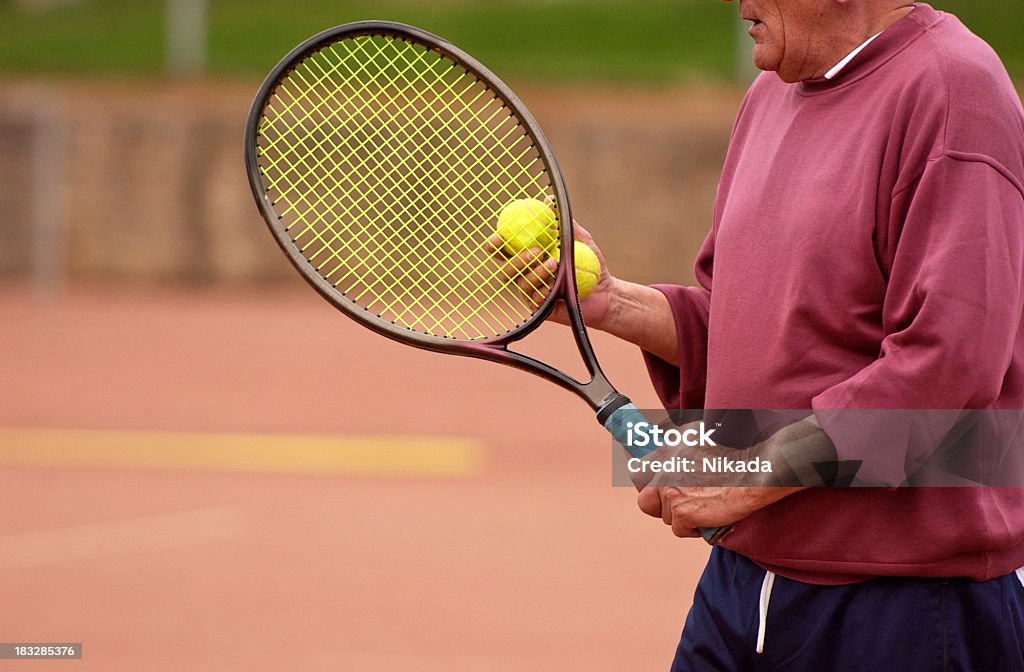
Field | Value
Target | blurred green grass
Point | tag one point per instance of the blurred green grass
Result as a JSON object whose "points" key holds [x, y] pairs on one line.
{"points": [[586, 41]]}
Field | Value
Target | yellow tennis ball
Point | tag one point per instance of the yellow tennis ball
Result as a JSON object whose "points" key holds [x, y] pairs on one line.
{"points": [[588, 267], [527, 223]]}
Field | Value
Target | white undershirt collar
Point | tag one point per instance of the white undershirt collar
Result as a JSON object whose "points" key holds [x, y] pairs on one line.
{"points": [[849, 57]]}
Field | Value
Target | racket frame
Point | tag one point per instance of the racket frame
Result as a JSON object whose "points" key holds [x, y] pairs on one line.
{"points": [[598, 391]]}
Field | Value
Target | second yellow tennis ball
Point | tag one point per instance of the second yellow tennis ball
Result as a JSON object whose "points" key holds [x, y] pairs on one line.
{"points": [[527, 223], [588, 268]]}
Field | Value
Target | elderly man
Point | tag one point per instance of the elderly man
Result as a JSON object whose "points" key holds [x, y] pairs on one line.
{"points": [[867, 252]]}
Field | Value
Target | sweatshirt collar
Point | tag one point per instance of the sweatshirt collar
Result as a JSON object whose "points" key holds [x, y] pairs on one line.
{"points": [[877, 51]]}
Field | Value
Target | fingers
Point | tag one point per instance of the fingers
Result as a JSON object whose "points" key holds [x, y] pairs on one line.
{"points": [[658, 503], [681, 530], [534, 279], [649, 501], [666, 511], [531, 270], [579, 233]]}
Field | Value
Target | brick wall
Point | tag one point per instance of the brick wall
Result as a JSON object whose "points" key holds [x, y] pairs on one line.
{"points": [[147, 180]]}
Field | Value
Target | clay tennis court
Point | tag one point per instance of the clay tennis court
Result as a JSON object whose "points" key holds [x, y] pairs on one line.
{"points": [[246, 480]]}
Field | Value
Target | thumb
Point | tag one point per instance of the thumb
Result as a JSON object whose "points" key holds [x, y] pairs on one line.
{"points": [[649, 501]]}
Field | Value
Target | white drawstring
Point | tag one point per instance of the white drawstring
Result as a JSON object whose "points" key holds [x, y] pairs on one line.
{"points": [[766, 596]]}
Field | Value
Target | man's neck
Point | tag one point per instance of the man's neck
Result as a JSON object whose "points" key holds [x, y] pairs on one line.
{"points": [[890, 17], [859, 29]]}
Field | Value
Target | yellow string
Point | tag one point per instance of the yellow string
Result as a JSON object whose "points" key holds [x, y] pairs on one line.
{"points": [[388, 165]]}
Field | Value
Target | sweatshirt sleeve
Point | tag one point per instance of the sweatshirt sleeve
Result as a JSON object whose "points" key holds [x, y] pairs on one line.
{"points": [[951, 316], [682, 384]]}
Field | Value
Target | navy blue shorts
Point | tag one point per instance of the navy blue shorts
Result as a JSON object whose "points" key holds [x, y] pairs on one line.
{"points": [[882, 625]]}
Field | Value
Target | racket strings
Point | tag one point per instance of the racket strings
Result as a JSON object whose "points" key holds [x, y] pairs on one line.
{"points": [[388, 164], [429, 205]]}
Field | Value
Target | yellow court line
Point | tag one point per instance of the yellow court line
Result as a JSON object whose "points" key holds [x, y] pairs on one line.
{"points": [[275, 453]]}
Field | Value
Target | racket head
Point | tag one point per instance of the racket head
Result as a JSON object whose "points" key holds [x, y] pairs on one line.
{"points": [[380, 157]]}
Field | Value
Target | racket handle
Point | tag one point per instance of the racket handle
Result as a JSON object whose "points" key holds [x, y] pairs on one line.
{"points": [[619, 423]]}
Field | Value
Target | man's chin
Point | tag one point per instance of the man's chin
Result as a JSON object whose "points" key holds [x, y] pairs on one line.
{"points": [[763, 61]]}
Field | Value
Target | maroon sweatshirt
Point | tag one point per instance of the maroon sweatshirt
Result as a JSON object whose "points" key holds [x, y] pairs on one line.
{"points": [[867, 252]]}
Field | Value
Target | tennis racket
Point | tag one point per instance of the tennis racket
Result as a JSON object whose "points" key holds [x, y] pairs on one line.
{"points": [[380, 157]]}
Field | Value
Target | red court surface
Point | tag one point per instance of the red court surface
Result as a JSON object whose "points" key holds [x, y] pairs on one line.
{"points": [[525, 560]]}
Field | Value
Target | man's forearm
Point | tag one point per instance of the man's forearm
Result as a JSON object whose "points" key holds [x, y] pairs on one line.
{"points": [[642, 315], [800, 454]]}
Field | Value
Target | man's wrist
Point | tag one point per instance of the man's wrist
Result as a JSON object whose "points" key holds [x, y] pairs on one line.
{"points": [[640, 315], [801, 454]]}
